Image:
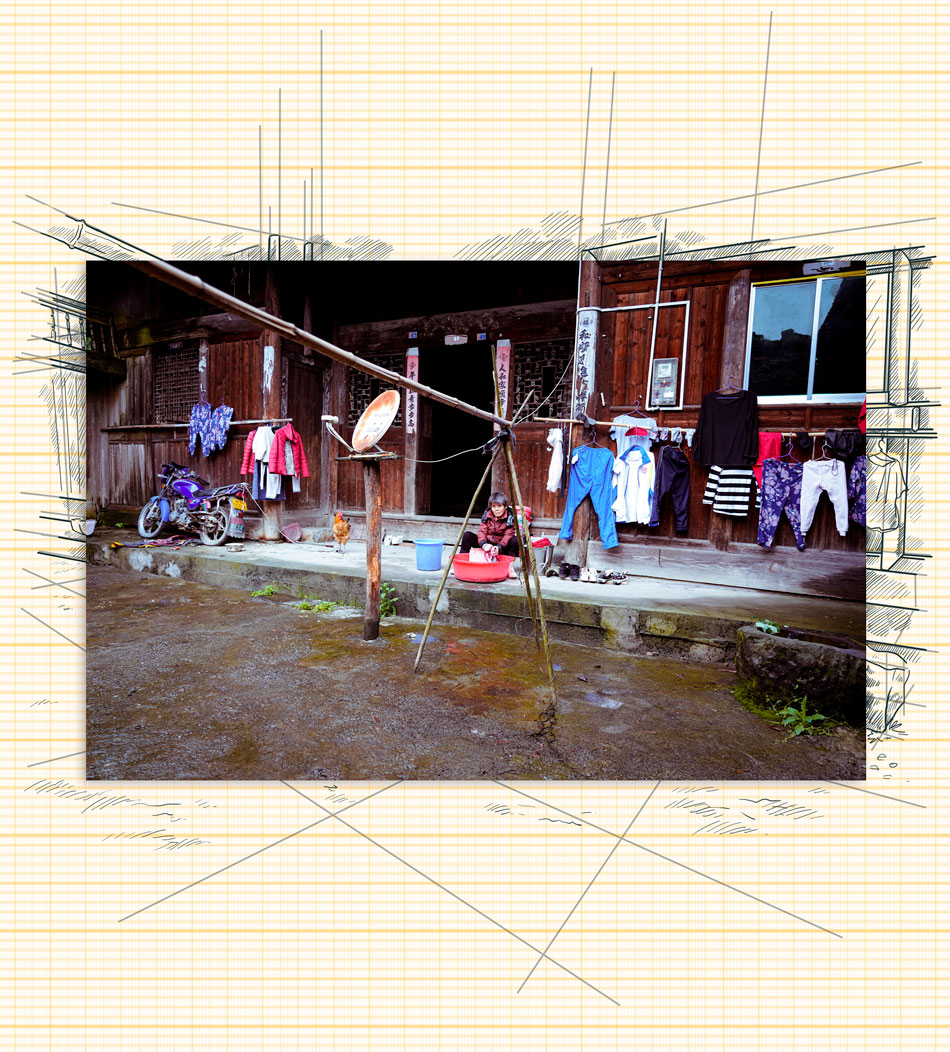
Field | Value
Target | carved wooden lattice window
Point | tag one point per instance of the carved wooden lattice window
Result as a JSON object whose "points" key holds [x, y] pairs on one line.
{"points": [[538, 367], [364, 388], [174, 384]]}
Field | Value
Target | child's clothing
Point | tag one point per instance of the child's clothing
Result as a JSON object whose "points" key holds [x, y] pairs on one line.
{"points": [[672, 476], [781, 491], [830, 476], [199, 426]]}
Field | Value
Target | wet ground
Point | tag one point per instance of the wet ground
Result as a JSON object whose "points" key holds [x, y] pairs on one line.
{"points": [[187, 681]]}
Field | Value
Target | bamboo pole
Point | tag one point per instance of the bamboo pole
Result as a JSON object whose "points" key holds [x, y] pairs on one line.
{"points": [[550, 714], [521, 543], [194, 286], [448, 565]]}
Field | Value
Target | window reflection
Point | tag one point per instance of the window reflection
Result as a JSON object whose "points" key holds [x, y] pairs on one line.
{"points": [[840, 358], [781, 339], [784, 342]]}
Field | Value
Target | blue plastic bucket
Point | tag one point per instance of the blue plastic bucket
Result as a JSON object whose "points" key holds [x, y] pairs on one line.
{"points": [[429, 555]]}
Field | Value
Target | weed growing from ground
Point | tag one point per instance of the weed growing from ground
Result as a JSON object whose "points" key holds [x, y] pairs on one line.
{"points": [[387, 600]]}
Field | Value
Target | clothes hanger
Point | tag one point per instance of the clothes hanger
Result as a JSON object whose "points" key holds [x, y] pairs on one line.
{"points": [[731, 386], [635, 411], [788, 452], [825, 454]]}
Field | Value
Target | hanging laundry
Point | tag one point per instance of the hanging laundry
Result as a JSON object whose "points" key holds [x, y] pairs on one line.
{"points": [[591, 472], [289, 461], [781, 491], [830, 476], [672, 477], [277, 461], [620, 432], [727, 432], [556, 467], [220, 422], [256, 457], [729, 490], [857, 502], [886, 489], [770, 445], [634, 477], [199, 426]]}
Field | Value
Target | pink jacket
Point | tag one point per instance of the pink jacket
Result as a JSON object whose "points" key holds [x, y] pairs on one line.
{"points": [[278, 463]]}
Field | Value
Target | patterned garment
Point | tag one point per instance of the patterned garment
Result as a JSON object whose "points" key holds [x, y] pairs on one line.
{"points": [[857, 493], [781, 491], [220, 422], [729, 490], [200, 427]]}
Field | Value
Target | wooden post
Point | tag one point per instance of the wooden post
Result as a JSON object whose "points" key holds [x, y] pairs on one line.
{"points": [[587, 351], [270, 391], [374, 537]]}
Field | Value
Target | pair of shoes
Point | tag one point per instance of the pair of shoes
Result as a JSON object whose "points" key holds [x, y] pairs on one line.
{"points": [[588, 573], [569, 570]]}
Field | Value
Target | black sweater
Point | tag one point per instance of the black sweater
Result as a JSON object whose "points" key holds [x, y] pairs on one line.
{"points": [[727, 433]]}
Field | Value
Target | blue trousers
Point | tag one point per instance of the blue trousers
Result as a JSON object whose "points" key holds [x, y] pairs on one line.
{"points": [[593, 474]]}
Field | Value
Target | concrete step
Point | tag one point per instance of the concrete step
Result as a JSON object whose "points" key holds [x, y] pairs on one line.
{"points": [[644, 615]]}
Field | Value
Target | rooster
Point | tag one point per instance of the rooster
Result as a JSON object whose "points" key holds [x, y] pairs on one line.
{"points": [[341, 532]]}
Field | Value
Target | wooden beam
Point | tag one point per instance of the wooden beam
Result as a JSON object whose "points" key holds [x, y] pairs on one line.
{"points": [[525, 322], [736, 329], [105, 363], [135, 339]]}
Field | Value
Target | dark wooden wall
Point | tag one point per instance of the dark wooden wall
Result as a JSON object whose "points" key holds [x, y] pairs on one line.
{"points": [[124, 455], [525, 323], [622, 377]]}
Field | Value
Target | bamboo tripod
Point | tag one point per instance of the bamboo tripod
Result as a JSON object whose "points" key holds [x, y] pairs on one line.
{"points": [[502, 444]]}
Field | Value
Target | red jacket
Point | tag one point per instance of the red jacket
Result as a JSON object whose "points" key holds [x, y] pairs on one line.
{"points": [[247, 464], [278, 462]]}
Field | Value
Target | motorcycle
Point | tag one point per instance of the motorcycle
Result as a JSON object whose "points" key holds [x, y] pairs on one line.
{"points": [[187, 501]]}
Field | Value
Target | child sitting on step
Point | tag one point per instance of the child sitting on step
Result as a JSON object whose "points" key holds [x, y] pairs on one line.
{"points": [[496, 534]]}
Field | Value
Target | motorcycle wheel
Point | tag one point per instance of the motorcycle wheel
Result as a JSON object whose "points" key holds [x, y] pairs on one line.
{"points": [[150, 520], [215, 530]]}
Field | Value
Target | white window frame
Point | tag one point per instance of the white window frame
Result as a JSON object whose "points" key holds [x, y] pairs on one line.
{"points": [[802, 399], [647, 399]]}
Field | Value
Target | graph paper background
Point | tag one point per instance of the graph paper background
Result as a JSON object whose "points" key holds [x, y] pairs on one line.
{"points": [[445, 126]]}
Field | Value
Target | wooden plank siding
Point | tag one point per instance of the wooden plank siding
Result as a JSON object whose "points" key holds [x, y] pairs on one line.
{"points": [[623, 377], [123, 464]]}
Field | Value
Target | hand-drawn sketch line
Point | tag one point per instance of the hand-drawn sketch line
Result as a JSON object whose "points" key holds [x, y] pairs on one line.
{"points": [[543, 953], [266, 847], [590, 884], [621, 838]]}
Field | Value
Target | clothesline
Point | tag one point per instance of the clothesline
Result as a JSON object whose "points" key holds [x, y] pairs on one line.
{"points": [[185, 423]]}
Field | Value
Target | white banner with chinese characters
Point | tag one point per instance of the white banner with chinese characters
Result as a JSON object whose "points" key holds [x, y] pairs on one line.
{"points": [[412, 398]]}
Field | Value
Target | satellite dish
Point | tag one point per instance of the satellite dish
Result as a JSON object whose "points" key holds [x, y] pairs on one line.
{"points": [[375, 421]]}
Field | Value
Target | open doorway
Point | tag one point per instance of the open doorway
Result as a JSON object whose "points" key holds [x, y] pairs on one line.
{"points": [[466, 373]]}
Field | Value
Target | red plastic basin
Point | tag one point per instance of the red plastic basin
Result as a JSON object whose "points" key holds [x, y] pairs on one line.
{"points": [[481, 573]]}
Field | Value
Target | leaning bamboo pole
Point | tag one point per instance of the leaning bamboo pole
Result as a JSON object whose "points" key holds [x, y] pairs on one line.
{"points": [[194, 286]]}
